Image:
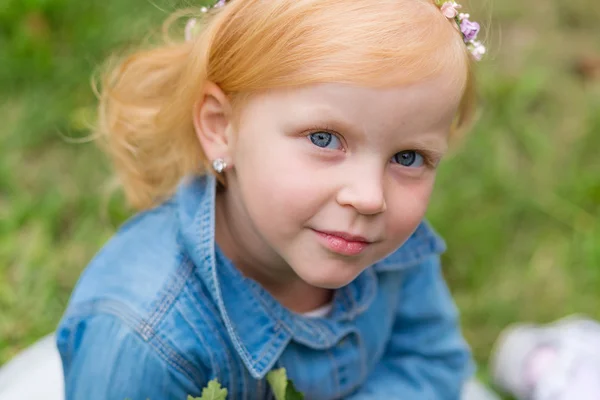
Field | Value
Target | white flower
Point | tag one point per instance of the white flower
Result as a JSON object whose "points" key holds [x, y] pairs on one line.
{"points": [[477, 49]]}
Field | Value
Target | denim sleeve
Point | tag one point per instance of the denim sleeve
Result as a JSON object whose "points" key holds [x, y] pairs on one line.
{"points": [[103, 359], [426, 357]]}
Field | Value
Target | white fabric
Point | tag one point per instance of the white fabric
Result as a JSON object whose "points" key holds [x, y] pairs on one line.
{"points": [[509, 358], [320, 312], [584, 383], [34, 374], [570, 364], [574, 374]]}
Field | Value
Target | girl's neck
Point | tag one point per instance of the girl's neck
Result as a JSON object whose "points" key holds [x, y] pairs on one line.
{"points": [[251, 257]]}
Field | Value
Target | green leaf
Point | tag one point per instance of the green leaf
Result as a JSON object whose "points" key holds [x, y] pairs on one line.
{"points": [[282, 387], [278, 381], [212, 391], [291, 393]]}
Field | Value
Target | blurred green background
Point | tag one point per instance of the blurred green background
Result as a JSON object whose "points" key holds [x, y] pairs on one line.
{"points": [[519, 202]]}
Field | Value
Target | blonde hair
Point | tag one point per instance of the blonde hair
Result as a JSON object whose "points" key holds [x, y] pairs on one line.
{"points": [[146, 101]]}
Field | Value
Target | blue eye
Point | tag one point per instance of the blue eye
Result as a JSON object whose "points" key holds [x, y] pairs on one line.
{"points": [[409, 158], [325, 140]]}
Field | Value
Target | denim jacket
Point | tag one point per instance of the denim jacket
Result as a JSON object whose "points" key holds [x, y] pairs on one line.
{"points": [[160, 311]]}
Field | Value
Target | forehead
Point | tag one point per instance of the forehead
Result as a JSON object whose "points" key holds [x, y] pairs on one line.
{"points": [[425, 105]]}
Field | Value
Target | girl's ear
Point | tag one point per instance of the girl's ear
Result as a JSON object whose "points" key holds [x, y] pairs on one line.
{"points": [[212, 122]]}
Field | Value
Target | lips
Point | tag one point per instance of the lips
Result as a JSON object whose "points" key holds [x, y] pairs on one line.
{"points": [[346, 236], [343, 243]]}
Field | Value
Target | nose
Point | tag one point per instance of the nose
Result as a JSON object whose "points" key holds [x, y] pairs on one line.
{"points": [[364, 191]]}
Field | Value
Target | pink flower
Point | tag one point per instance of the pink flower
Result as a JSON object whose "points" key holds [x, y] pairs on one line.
{"points": [[469, 29], [450, 9]]}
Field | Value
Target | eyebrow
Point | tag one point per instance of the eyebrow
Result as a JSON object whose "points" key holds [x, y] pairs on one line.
{"points": [[319, 114]]}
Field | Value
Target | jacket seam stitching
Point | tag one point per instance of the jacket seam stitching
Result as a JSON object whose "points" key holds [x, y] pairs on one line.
{"points": [[146, 333], [170, 293]]}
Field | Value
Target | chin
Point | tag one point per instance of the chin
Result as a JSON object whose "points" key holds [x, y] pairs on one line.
{"points": [[329, 279]]}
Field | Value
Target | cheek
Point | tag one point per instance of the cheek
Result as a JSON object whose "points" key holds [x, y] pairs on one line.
{"points": [[277, 184], [408, 208]]}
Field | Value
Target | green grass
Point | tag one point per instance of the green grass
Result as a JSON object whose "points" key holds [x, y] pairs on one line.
{"points": [[519, 202]]}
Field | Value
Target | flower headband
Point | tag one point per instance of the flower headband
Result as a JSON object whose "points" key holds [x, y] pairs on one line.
{"points": [[469, 29]]}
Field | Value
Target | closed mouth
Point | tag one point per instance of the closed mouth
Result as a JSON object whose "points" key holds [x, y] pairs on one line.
{"points": [[346, 236]]}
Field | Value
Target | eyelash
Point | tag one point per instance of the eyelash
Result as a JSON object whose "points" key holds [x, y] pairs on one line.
{"points": [[431, 160]]}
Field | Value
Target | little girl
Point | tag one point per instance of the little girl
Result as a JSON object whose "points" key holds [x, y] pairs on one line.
{"points": [[283, 156]]}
